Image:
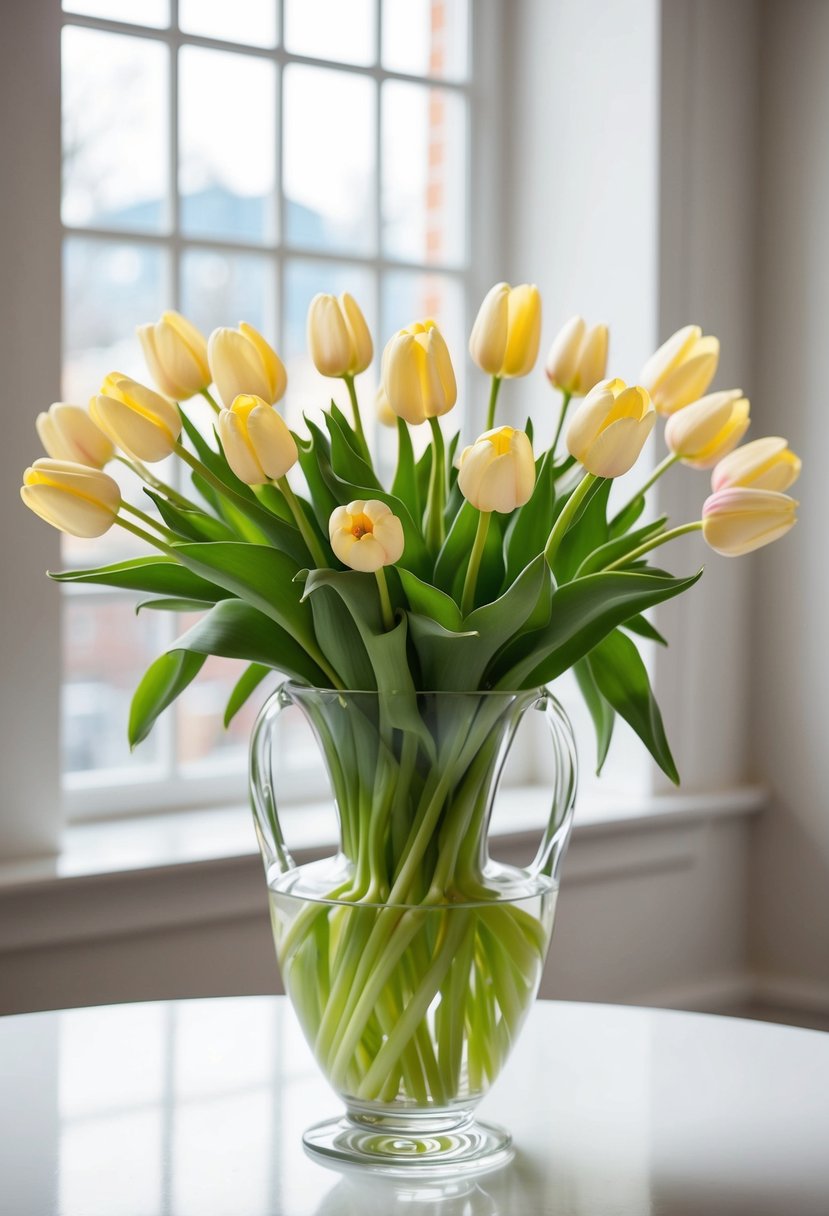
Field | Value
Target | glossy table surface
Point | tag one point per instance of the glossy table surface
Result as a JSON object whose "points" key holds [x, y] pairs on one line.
{"points": [[195, 1108]]}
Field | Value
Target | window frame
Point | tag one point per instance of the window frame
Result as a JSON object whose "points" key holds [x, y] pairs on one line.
{"points": [[162, 786]]}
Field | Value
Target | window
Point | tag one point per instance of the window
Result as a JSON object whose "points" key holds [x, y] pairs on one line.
{"points": [[231, 161]]}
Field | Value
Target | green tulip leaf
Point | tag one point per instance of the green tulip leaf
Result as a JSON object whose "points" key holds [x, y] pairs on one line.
{"points": [[628, 516], [530, 525], [311, 453], [161, 683], [622, 679], [162, 575], [190, 525], [430, 601], [616, 549], [172, 604], [600, 710], [641, 626], [586, 533], [245, 686], [404, 485]]}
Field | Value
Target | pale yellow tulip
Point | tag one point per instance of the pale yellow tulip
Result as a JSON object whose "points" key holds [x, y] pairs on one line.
{"points": [[704, 432], [681, 370], [609, 429], [578, 357], [242, 362], [497, 472], [738, 520], [68, 433], [765, 464], [74, 498], [142, 423], [507, 331], [338, 337], [176, 354], [417, 374], [366, 535], [257, 443]]}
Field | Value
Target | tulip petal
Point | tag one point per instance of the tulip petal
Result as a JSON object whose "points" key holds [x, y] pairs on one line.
{"points": [[669, 355], [488, 340], [524, 330], [272, 441]]}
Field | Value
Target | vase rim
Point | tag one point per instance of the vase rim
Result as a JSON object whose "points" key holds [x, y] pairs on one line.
{"points": [[536, 691]]}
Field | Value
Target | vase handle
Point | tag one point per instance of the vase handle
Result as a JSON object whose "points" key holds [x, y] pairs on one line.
{"points": [[551, 852], [262, 793]]}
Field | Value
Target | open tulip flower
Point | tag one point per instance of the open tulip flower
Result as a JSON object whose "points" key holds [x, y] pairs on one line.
{"points": [[702, 433], [68, 433], [486, 566], [765, 464], [681, 370], [77, 499], [176, 354]]}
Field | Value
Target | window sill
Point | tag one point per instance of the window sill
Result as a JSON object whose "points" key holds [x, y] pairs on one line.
{"points": [[197, 838]]}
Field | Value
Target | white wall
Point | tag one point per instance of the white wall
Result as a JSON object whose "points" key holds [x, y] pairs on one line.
{"points": [[790, 910]]}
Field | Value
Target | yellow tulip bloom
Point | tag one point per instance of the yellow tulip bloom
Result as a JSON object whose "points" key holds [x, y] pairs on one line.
{"points": [[242, 362], [366, 535], [681, 370], [702, 433], [578, 357], [738, 520], [497, 472], [417, 374], [176, 354], [142, 423], [338, 337], [74, 498], [257, 443], [609, 429], [68, 433], [507, 331], [765, 464]]}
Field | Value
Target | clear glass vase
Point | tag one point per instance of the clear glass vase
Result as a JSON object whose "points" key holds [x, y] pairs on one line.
{"points": [[411, 957]]}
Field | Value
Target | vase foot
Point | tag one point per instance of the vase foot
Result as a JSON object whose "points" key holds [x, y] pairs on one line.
{"points": [[471, 1147]]}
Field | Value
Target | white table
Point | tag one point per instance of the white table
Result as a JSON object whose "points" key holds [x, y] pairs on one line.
{"points": [[196, 1107]]}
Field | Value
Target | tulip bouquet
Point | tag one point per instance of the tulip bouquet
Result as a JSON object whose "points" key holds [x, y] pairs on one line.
{"points": [[479, 568]]}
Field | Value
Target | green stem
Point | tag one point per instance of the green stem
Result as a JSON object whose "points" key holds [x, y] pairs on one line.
{"points": [[437, 489], [314, 547], [148, 519], [210, 477], [385, 600], [661, 468], [145, 536], [208, 396], [493, 401], [156, 483], [565, 401], [567, 516], [660, 539], [471, 580], [355, 407]]}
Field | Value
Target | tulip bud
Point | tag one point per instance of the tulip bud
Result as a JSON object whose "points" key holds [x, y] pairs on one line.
{"points": [[765, 464], [702, 433], [505, 337], [681, 370], [366, 535], [242, 362], [609, 428], [68, 433], [73, 497], [497, 473], [417, 374], [385, 414], [176, 354], [256, 442], [137, 420], [578, 357], [338, 337], [739, 520]]}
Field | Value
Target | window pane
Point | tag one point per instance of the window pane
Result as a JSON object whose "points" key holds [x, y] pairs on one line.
{"points": [[203, 743], [424, 174], [115, 130], [249, 21], [329, 166], [108, 289], [224, 289], [227, 144], [329, 29], [308, 391], [426, 37], [106, 650], [409, 296], [143, 12]]}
